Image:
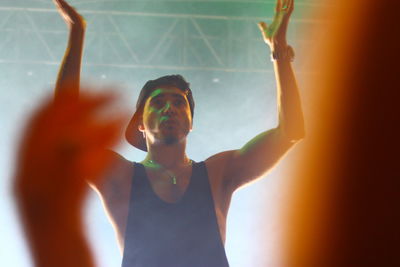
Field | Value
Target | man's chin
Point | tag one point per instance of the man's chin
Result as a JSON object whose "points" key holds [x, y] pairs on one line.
{"points": [[170, 140]]}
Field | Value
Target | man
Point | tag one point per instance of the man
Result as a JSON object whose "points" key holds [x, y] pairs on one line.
{"points": [[168, 210]]}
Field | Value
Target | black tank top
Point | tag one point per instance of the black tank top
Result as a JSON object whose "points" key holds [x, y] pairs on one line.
{"points": [[181, 234]]}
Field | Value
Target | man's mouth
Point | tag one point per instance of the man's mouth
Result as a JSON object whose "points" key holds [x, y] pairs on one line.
{"points": [[170, 123], [168, 120]]}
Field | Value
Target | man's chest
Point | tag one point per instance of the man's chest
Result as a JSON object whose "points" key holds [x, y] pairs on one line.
{"points": [[169, 186], [116, 194]]}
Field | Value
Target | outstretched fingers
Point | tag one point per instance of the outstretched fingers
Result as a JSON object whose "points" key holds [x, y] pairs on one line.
{"points": [[63, 5], [291, 5], [262, 26], [284, 5], [275, 33], [287, 6], [278, 5], [264, 30]]}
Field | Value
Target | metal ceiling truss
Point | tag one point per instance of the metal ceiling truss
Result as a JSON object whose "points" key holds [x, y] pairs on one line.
{"points": [[138, 40]]}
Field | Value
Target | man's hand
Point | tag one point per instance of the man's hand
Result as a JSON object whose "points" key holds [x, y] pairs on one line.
{"points": [[73, 19], [275, 34]]}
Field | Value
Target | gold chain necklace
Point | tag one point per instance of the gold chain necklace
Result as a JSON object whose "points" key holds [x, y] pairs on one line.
{"points": [[155, 165]]}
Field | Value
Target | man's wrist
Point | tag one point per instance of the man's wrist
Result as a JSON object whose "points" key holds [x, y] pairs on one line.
{"points": [[282, 52], [78, 30]]}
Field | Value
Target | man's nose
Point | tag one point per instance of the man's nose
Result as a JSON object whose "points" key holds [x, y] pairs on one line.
{"points": [[168, 108]]}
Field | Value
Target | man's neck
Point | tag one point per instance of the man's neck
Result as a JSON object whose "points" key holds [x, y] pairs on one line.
{"points": [[168, 156]]}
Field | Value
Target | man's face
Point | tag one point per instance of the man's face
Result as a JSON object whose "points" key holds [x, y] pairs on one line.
{"points": [[166, 116]]}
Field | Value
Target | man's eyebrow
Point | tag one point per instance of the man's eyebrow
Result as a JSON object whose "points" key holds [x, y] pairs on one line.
{"points": [[175, 95], [178, 96]]}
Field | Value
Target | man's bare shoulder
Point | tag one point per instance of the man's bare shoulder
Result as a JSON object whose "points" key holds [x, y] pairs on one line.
{"points": [[216, 166], [117, 159], [116, 177], [219, 160]]}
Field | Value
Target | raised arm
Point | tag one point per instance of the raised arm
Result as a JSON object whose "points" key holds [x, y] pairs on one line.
{"points": [[69, 73], [291, 121], [255, 158]]}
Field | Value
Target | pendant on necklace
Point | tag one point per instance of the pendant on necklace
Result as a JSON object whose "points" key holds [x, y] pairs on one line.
{"points": [[173, 180]]}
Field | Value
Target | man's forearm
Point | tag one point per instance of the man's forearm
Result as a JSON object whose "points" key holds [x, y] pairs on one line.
{"points": [[291, 119], [69, 73]]}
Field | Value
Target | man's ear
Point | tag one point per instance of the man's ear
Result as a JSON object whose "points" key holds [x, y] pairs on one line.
{"points": [[141, 127], [140, 124]]}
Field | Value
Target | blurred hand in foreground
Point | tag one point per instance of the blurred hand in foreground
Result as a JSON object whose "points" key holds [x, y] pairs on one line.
{"points": [[64, 143]]}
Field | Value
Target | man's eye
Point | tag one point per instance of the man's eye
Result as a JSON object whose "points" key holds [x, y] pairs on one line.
{"points": [[179, 102], [157, 102]]}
